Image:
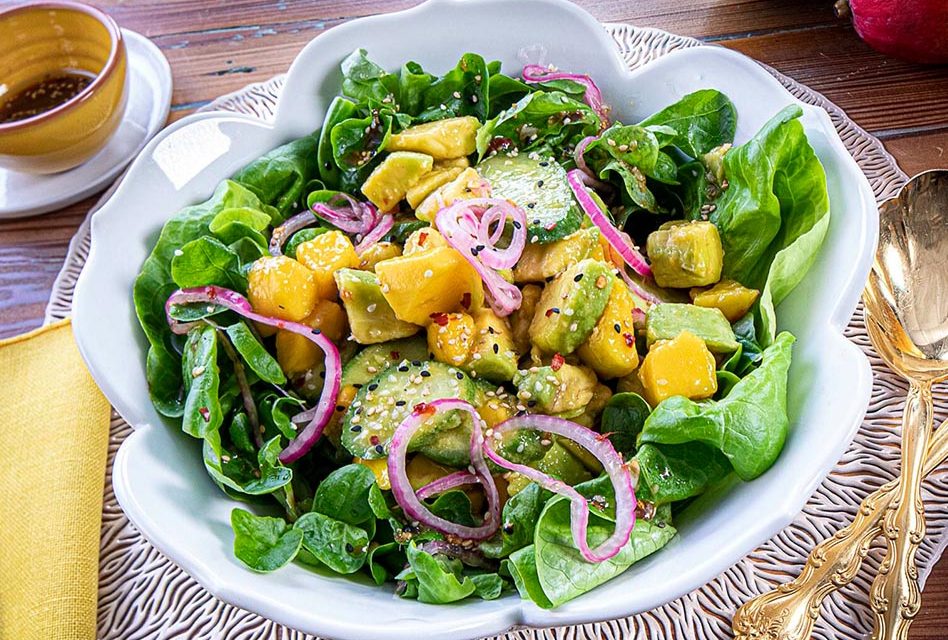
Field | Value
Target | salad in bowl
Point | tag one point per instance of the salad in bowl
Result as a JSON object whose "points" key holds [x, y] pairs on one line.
{"points": [[475, 336]]}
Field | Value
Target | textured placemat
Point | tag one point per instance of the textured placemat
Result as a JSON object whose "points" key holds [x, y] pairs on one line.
{"points": [[143, 595]]}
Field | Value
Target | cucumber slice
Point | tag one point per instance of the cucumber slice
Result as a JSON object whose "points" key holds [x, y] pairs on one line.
{"points": [[375, 358], [538, 186], [382, 404]]}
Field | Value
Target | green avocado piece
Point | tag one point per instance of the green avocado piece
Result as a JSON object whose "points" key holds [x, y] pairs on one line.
{"points": [[685, 254], [666, 321], [494, 356], [570, 307], [565, 391], [541, 261], [560, 463], [371, 318], [367, 364], [538, 186]]}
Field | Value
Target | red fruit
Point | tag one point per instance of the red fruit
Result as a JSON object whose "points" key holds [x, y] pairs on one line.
{"points": [[914, 30]]}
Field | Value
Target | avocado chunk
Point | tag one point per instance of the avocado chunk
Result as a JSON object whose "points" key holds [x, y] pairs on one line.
{"points": [[666, 321], [571, 306], [494, 356], [560, 463], [375, 358], [564, 391], [383, 404], [371, 318], [538, 186], [431, 181], [441, 139], [731, 297], [685, 254], [541, 261], [390, 181], [468, 184]]}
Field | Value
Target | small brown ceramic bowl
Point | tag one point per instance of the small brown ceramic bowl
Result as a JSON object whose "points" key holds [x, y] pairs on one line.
{"points": [[43, 40]]}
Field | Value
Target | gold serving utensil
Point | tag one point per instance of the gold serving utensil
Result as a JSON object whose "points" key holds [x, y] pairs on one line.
{"points": [[906, 310]]}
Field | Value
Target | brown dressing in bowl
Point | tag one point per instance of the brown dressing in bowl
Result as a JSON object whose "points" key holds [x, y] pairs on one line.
{"points": [[47, 94]]}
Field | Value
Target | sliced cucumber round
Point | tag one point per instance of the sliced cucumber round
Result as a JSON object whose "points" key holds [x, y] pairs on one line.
{"points": [[383, 403], [375, 358]]}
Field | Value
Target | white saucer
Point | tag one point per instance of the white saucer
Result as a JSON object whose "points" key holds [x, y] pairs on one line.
{"points": [[149, 100]]}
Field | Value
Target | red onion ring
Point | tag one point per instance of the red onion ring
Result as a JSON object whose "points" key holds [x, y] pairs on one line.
{"points": [[466, 226], [290, 226], [612, 235], [377, 233], [470, 557], [612, 463], [351, 216], [637, 289], [404, 494], [237, 303], [533, 73], [446, 483]]}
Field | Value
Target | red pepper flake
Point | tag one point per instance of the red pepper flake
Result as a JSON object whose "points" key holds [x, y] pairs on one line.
{"points": [[423, 408], [205, 414], [557, 362], [395, 355], [549, 312], [422, 238], [550, 226], [439, 318], [374, 440], [466, 300], [629, 339], [499, 143]]}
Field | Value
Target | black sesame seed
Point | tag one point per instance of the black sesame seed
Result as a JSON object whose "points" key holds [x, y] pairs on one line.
{"points": [[531, 403], [340, 407], [555, 309], [403, 368], [322, 374], [544, 164], [521, 413], [355, 428], [516, 224], [380, 448], [316, 332], [373, 386], [358, 386], [425, 374], [577, 277], [480, 247], [496, 348], [508, 528], [460, 376], [416, 363], [400, 403], [539, 183], [617, 327]]}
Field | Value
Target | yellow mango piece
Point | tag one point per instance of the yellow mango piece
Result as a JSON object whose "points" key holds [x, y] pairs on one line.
{"points": [[448, 138], [424, 239], [390, 181], [298, 354], [422, 470], [323, 256], [281, 287], [610, 349], [334, 428], [451, 338], [376, 253], [379, 467], [732, 298], [429, 183], [450, 163], [679, 367], [493, 409], [469, 184], [439, 280]]}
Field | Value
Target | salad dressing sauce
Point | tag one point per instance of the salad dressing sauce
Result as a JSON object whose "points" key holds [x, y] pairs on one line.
{"points": [[45, 95]]}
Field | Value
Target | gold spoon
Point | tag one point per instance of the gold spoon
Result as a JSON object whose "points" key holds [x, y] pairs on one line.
{"points": [[906, 308]]}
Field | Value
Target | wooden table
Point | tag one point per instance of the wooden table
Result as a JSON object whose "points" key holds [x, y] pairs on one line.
{"points": [[215, 47]]}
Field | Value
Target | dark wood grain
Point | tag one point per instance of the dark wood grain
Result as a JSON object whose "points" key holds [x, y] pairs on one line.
{"points": [[218, 46]]}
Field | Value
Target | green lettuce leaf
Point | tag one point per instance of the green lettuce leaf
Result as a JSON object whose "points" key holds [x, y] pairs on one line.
{"points": [[701, 121], [282, 177], [749, 425], [341, 547], [262, 543]]}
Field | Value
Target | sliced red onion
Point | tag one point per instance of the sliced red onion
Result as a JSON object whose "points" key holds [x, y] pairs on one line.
{"points": [[446, 483], [377, 233], [605, 453], [638, 290], [473, 227], [283, 233], [404, 494], [470, 557], [533, 73], [625, 249], [589, 178], [237, 303], [348, 214]]}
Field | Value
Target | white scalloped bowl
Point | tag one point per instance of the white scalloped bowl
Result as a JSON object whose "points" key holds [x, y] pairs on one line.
{"points": [[159, 478]]}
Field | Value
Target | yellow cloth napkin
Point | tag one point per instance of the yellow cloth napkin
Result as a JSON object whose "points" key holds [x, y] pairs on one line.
{"points": [[54, 434]]}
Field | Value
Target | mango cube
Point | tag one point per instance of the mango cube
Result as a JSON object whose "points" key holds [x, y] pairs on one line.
{"points": [[323, 256], [610, 349], [679, 367], [732, 298], [281, 287]]}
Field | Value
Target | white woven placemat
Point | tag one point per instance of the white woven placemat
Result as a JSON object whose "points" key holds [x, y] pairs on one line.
{"points": [[143, 595]]}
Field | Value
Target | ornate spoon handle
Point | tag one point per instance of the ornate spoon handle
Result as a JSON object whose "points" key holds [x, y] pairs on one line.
{"points": [[895, 596], [789, 611]]}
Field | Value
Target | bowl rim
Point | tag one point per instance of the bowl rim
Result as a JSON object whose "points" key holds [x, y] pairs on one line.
{"points": [[116, 52]]}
